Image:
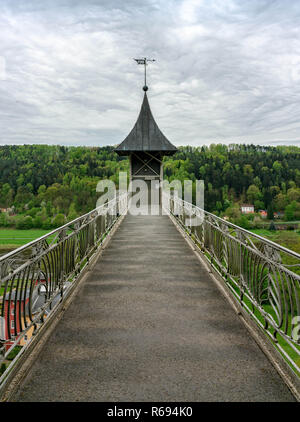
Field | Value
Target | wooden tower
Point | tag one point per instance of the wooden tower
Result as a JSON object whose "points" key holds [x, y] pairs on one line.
{"points": [[146, 145]]}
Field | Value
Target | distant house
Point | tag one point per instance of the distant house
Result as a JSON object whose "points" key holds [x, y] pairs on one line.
{"points": [[263, 213], [17, 316], [247, 209], [14, 320], [9, 211]]}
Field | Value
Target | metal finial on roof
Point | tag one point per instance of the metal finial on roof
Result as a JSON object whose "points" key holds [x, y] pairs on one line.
{"points": [[145, 135], [144, 61]]}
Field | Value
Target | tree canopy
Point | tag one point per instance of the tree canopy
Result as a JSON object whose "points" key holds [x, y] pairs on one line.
{"points": [[53, 184]]}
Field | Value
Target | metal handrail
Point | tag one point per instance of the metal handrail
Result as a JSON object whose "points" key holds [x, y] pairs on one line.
{"points": [[59, 229], [264, 277], [241, 229], [36, 278]]}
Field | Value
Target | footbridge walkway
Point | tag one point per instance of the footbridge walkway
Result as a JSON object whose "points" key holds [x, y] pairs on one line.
{"points": [[179, 307]]}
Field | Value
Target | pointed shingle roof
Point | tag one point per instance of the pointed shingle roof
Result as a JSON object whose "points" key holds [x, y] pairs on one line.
{"points": [[145, 135]]}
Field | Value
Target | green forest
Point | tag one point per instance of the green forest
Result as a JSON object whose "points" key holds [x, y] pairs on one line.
{"points": [[44, 186]]}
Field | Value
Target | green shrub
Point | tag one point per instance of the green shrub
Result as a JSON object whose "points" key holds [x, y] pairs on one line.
{"points": [[243, 222], [38, 222], [25, 223], [14, 353], [3, 219], [58, 220], [47, 225], [2, 368], [72, 212], [33, 211]]}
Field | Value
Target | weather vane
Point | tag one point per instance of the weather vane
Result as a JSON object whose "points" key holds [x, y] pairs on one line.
{"points": [[144, 61]]}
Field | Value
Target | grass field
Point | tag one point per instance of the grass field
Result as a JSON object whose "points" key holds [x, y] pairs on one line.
{"points": [[11, 238], [287, 238]]}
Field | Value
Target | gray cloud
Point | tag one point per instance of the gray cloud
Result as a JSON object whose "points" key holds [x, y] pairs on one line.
{"points": [[225, 71]]}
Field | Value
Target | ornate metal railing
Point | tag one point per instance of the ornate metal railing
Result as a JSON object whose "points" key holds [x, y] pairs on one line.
{"points": [[263, 276], [37, 277]]}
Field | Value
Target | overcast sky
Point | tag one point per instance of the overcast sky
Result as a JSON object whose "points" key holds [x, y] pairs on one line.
{"points": [[226, 70]]}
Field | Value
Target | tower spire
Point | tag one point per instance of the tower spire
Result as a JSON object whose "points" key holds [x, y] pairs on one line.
{"points": [[144, 62]]}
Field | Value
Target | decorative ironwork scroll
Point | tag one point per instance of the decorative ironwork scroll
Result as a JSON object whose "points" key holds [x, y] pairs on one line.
{"points": [[35, 278], [263, 276]]}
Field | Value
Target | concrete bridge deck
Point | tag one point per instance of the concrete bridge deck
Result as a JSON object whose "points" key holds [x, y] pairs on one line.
{"points": [[149, 324]]}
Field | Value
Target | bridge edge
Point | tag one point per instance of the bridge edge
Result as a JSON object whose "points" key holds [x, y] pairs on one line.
{"points": [[273, 355], [22, 368]]}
